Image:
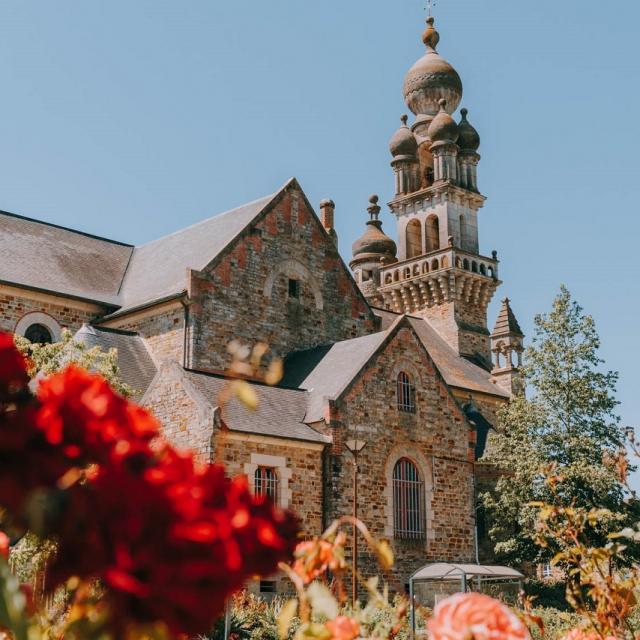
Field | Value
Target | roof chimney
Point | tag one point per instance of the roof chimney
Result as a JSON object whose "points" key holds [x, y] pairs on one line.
{"points": [[327, 208]]}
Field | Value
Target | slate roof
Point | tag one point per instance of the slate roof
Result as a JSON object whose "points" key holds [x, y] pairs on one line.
{"points": [[137, 369], [326, 371], [280, 411], [53, 258], [506, 322], [457, 371], [45, 256], [158, 269]]}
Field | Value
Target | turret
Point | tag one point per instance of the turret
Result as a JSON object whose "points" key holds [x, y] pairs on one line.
{"points": [[372, 251], [507, 348]]}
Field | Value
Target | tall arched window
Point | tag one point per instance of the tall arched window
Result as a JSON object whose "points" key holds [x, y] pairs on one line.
{"points": [[265, 483], [406, 393], [433, 233], [414, 238], [408, 501]]}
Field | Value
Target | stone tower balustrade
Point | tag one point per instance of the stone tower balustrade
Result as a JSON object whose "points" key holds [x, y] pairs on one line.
{"points": [[436, 277]]}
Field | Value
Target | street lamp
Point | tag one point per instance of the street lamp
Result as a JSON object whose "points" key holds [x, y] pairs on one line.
{"points": [[355, 447]]}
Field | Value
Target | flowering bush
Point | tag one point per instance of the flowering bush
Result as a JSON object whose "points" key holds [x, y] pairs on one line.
{"points": [[167, 539]]}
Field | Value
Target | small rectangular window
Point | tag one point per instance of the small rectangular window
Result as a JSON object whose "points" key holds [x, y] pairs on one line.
{"points": [[268, 586], [294, 288]]}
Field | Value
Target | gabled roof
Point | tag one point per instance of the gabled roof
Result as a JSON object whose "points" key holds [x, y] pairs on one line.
{"points": [[137, 368], [280, 412], [506, 323], [326, 371], [48, 257], [456, 370], [158, 269], [43, 256]]}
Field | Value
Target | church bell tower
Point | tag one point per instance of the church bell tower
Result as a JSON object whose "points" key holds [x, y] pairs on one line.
{"points": [[439, 272]]}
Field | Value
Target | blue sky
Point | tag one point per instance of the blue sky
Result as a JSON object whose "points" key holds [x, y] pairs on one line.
{"points": [[130, 119]]}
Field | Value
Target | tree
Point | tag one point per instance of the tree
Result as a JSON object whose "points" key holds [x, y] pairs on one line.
{"points": [[568, 429], [49, 358]]}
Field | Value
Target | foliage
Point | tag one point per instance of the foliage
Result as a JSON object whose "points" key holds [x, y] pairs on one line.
{"points": [[166, 539], [569, 422], [49, 358]]}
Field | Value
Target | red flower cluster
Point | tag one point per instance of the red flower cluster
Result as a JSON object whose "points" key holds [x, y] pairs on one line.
{"points": [[169, 540]]}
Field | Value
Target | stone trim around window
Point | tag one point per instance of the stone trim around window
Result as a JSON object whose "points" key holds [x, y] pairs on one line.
{"points": [[279, 463], [425, 469], [38, 317]]}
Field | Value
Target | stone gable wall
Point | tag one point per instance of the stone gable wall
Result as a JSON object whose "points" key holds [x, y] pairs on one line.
{"points": [[245, 295], [162, 329], [436, 438]]}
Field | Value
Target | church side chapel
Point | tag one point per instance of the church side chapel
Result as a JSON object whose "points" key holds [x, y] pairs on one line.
{"points": [[391, 359]]}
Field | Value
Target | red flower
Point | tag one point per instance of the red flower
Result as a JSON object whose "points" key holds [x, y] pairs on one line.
{"points": [[13, 369], [4, 545], [169, 540], [464, 616], [82, 414]]}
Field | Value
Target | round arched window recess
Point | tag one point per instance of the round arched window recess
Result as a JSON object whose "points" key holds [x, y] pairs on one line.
{"points": [[38, 327], [38, 334]]}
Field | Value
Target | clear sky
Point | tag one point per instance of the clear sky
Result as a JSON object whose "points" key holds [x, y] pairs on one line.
{"points": [[133, 118]]}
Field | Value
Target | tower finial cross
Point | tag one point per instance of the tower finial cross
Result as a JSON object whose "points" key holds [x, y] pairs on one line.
{"points": [[430, 5]]}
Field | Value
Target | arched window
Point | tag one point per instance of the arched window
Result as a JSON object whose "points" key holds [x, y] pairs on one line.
{"points": [[406, 393], [414, 238], [265, 483], [433, 233], [38, 334], [408, 501]]}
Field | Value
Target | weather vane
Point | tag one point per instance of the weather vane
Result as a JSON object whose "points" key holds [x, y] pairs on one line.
{"points": [[430, 5]]}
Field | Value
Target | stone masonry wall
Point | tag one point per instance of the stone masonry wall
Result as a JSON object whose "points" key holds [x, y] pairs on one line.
{"points": [[67, 313], [463, 327], [435, 438], [246, 295], [163, 330], [186, 423]]}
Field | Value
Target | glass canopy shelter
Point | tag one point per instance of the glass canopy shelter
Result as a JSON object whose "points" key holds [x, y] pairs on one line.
{"points": [[437, 581]]}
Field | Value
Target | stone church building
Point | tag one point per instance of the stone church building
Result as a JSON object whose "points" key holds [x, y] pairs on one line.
{"points": [[393, 352]]}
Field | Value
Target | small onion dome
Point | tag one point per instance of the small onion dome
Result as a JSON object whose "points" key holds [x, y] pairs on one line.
{"points": [[431, 78], [403, 142], [374, 242], [469, 139], [443, 127]]}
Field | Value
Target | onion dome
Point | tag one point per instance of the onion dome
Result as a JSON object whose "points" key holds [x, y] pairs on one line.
{"points": [[374, 242], [403, 142], [469, 139], [431, 78], [443, 127]]}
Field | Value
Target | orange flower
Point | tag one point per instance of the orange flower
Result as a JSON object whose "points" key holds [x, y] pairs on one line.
{"points": [[343, 628], [315, 557], [466, 616]]}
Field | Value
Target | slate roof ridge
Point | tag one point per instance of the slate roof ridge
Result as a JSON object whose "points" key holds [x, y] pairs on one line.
{"points": [[63, 228], [121, 332], [268, 197], [260, 383]]}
